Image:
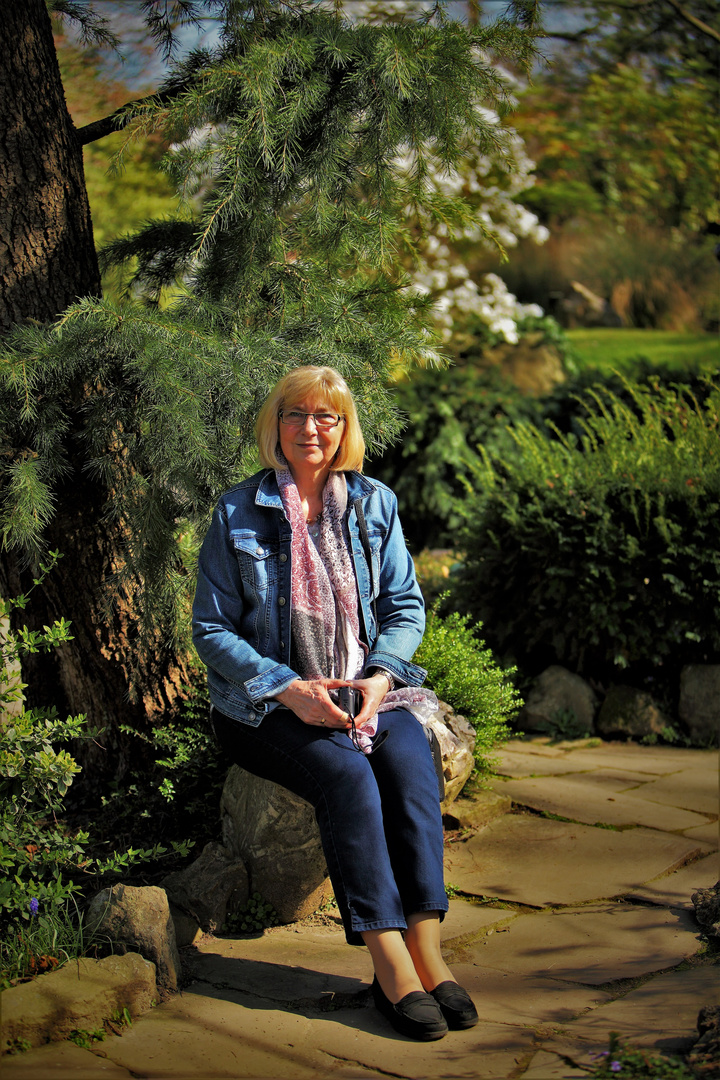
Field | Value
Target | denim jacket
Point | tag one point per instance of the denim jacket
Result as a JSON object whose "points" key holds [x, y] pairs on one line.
{"points": [[241, 613]]}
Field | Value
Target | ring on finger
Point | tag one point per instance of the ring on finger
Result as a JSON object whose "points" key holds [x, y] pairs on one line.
{"points": [[323, 720]]}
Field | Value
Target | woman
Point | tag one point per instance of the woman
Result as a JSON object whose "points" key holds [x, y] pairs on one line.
{"points": [[288, 611]]}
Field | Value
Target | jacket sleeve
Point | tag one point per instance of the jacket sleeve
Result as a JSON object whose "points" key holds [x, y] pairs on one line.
{"points": [[399, 603], [218, 611]]}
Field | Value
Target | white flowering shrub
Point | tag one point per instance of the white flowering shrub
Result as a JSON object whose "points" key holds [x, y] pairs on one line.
{"points": [[467, 300]]}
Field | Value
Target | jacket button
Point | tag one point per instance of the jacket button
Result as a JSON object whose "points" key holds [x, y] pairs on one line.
{"points": [[283, 557], [281, 601], [251, 716], [258, 551]]}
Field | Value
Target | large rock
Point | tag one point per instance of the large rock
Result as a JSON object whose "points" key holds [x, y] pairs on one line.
{"points": [[580, 306], [476, 810], [457, 743], [275, 834], [216, 883], [533, 365], [704, 1057], [558, 693], [627, 713], [83, 995], [700, 702], [138, 920], [707, 909]]}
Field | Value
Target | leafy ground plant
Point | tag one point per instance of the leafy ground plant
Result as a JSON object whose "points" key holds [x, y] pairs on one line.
{"points": [[564, 724], [621, 1061], [86, 1039], [465, 674], [254, 917], [42, 859], [43, 942]]}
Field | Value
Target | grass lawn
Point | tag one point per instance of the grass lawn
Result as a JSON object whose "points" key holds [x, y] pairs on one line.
{"points": [[611, 349]]}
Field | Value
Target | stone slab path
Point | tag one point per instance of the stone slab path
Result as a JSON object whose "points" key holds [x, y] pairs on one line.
{"points": [[570, 918]]}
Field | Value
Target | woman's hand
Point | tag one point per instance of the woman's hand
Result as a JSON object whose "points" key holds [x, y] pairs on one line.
{"points": [[311, 703], [373, 691]]}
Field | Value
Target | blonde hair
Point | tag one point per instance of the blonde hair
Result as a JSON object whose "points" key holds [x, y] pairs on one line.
{"points": [[329, 388]]}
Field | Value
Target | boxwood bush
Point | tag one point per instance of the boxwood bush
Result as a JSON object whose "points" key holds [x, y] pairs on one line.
{"points": [[601, 550], [464, 673]]}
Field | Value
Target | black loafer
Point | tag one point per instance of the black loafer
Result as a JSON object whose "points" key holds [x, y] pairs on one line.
{"points": [[417, 1015], [456, 1005]]}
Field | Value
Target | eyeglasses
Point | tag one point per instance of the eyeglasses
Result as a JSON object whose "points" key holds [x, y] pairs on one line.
{"points": [[324, 420]]}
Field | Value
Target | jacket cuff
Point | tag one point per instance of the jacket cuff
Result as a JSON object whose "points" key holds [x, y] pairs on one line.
{"points": [[269, 683], [404, 672]]}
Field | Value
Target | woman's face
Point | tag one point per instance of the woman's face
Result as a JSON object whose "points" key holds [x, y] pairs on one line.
{"points": [[308, 447]]}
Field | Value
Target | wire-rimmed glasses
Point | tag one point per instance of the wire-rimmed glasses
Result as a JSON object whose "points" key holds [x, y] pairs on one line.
{"points": [[323, 420]]}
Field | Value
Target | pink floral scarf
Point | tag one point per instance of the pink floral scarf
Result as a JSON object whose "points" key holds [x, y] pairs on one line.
{"points": [[325, 622]]}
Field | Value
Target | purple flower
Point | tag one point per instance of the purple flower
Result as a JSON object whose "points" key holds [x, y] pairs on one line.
{"points": [[34, 905], [615, 1066]]}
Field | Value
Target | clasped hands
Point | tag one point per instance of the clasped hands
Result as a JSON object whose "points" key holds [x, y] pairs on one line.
{"points": [[311, 701]]}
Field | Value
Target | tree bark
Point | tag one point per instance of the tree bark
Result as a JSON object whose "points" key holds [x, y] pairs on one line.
{"points": [[47, 254], [104, 672]]}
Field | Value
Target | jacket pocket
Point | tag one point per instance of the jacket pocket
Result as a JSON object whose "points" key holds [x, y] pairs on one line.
{"points": [[257, 559]]}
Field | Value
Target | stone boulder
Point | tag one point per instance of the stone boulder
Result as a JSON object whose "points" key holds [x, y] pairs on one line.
{"points": [[558, 692], [704, 1057], [82, 995], [205, 891], [138, 920], [476, 810], [707, 909], [533, 365], [627, 713], [457, 743], [275, 834], [580, 306], [699, 706]]}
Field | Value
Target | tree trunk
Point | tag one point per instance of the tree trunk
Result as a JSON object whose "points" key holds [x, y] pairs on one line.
{"points": [[47, 254], [104, 672], [48, 261]]}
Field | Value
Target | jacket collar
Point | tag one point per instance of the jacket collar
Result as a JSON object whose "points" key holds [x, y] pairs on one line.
{"points": [[268, 494]]}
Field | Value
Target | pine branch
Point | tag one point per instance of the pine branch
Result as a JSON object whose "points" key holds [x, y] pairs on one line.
{"points": [[692, 20], [117, 120]]}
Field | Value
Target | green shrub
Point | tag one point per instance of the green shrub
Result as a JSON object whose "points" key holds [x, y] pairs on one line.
{"points": [[602, 552], [44, 940], [41, 856], [35, 849], [175, 797], [449, 412], [464, 673]]}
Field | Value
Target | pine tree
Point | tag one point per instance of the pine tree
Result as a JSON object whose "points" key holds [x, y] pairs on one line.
{"points": [[122, 423]]}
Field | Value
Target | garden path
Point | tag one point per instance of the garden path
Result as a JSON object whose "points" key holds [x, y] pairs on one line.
{"points": [[572, 918]]}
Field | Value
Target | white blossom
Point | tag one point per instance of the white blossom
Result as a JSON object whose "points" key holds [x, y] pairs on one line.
{"points": [[492, 184]]}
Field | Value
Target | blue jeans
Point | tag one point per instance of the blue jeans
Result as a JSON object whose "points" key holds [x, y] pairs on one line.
{"points": [[378, 814]]}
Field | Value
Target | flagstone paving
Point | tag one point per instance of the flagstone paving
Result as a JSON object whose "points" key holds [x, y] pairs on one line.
{"points": [[571, 917]]}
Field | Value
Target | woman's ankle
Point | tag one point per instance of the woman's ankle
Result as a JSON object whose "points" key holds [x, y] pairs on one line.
{"points": [[394, 968], [423, 942]]}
